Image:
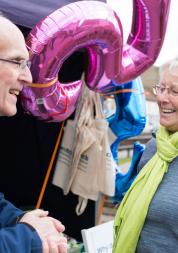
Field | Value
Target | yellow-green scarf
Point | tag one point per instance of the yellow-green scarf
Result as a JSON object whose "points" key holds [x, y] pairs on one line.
{"points": [[133, 209]]}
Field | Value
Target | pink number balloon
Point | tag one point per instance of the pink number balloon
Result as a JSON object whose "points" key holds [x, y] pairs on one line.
{"points": [[95, 27]]}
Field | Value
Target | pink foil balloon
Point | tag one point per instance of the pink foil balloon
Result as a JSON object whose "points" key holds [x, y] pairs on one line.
{"points": [[95, 27]]}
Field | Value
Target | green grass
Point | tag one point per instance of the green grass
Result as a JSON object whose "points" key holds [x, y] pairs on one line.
{"points": [[124, 160]]}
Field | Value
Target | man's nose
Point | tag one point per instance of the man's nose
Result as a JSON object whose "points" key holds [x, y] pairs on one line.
{"points": [[25, 76]]}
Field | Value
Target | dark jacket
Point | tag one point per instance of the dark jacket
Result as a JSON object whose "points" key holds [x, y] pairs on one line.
{"points": [[16, 237]]}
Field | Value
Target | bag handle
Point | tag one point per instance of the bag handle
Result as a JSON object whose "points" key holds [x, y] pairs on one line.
{"points": [[86, 113], [81, 206], [98, 106]]}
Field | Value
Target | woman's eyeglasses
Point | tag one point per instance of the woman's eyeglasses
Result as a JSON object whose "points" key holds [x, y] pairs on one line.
{"points": [[22, 63], [159, 89]]}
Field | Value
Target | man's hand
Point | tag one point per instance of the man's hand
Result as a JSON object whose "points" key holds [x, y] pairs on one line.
{"points": [[49, 230]]}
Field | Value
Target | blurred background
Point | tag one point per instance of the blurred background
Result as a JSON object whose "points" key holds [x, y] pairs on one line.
{"points": [[168, 51]]}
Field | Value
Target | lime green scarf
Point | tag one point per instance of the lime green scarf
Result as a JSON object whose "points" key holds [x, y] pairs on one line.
{"points": [[133, 209]]}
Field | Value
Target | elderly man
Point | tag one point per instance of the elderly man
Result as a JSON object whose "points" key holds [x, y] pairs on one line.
{"points": [[33, 231]]}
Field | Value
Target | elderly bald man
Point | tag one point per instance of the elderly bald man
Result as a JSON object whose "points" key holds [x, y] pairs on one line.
{"points": [[32, 231]]}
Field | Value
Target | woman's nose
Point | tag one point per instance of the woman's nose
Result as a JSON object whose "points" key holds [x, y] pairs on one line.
{"points": [[164, 96]]}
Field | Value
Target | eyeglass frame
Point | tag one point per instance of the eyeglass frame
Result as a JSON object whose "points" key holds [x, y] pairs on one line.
{"points": [[156, 90], [22, 63]]}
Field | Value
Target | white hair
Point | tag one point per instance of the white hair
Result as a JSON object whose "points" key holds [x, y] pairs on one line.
{"points": [[171, 65]]}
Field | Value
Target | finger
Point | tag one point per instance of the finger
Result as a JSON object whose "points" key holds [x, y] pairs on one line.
{"points": [[53, 247], [63, 239], [62, 248], [45, 248], [57, 238], [40, 213], [58, 225]]}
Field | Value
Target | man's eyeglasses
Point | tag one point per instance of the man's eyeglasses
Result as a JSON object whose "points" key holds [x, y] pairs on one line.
{"points": [[22, 63], [159, 89]]}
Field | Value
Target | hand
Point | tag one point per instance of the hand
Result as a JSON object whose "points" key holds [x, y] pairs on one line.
{"points": [[55, 244], [49, 230]]}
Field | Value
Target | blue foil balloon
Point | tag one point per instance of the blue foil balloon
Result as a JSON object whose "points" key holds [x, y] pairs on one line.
{"points": [[124, 180], [130, 117], [129, 120]]}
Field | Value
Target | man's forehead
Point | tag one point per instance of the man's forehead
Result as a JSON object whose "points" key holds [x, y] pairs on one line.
{"points": [[11, 41], [4, 24], [8, 29]]}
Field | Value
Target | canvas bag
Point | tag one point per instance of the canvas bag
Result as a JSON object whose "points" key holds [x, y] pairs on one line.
{"points": [[63, 164], [107, 172], [98, 173], [85, 142]]}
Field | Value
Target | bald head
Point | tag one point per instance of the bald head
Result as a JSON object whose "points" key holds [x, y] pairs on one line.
{"points": [[6, 23], [9, 32]]}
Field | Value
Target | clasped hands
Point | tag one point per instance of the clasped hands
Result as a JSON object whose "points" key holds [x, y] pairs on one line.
{"points": [[49, 230]]}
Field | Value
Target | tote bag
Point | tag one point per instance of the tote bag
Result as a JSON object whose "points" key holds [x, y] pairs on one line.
{"points": [[96, 171], [64, 159], [63, 169], [85, 164]]}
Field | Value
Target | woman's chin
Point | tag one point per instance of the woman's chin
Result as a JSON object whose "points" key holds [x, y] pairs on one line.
{"points": [[172, 127]]}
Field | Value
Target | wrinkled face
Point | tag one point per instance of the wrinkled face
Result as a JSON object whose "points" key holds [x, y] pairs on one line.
{"points": [[168, 101], [12, 76]]}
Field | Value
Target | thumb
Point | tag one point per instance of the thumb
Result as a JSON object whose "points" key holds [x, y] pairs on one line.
{"points": [[40, 213], [58, 225]]}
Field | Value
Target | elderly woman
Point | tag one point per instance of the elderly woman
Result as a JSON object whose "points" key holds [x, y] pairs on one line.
{"points": [[147, 219]]}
